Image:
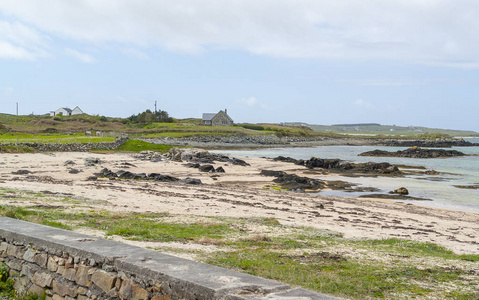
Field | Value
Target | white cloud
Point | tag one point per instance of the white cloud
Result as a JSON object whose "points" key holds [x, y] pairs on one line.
{"points": [[429, 32], [18, 41], [251, 102], [136, 53], [364, 104], [84, 57]]}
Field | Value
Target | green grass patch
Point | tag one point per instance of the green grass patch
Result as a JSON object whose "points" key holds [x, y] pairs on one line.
{"points": [[137, 146], [16, 149], [333, 274], [312, 258]]}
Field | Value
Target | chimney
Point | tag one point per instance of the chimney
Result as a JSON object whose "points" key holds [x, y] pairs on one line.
{"points": [[226, 112]]}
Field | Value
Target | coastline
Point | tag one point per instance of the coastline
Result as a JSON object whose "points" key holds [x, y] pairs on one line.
{"points": [[240, 191]]}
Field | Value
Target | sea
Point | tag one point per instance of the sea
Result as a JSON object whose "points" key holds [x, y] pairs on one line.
{"points": [[441, 190]]}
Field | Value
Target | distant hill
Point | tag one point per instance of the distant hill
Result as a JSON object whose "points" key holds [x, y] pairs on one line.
{"points": [[375, 129]]}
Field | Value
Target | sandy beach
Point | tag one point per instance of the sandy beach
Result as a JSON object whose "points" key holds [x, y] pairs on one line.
{"points": [[240, 191]]}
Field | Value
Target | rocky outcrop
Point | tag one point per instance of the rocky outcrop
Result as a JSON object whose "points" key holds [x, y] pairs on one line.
{"points": [[122, 174], [294, 182], [428, 143], [340, 166], [415, 152], [201, 156]]}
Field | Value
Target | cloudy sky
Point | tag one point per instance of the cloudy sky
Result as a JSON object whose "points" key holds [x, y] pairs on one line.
{"points": [[403, 62]]}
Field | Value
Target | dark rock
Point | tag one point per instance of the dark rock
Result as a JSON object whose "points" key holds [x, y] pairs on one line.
{"points": [[415, 152], [160, 177], [220, 170], [92, 178], [207, 168], [294, 182], [69, 162], [21, 172], [400, 191], [191, 181], [74, 171]]}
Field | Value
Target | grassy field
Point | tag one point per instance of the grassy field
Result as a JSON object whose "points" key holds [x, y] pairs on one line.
{"points": [[312, 258]]}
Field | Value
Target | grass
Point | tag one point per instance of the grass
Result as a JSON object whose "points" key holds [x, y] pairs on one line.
{"points": [[18, 137], [16, 149], [8, 291], [138, 146], [312, 258]]}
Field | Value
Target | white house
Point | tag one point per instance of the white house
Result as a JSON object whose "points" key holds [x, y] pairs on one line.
{"points": [[65, 111]]}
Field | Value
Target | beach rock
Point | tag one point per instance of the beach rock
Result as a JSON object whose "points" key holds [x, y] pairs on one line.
{"points": [[193, 181], [207, 168], [340, 166], [21, 172], [92, 161], [69, 162], [122, 174], [415, 152], [400, 191], [192, 165], [220, 170], [294, 182], [92, 178], [74, 171], [201, 156]]}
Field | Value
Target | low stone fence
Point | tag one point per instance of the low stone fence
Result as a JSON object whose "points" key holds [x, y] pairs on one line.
{"points": [[71, 147], [68, 265]]}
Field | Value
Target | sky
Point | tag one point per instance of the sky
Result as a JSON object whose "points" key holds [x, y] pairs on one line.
{"points": [[395, 62]]}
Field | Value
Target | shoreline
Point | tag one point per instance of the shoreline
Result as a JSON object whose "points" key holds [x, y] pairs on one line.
{"points": [[238, 192]]}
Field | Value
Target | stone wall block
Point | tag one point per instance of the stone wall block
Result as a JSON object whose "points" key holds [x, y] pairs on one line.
{"points": [[113, 293], [161, 297], [42, 279], [41, 260], [57, 297], [35, 289], [3, 247], [14, 264], [104, 280], [125, 290], [69, 263], [29, 270], [138, 293], [29, 255], [61, 270], [82, 290], [22, 284], [69, 274], [63, 289], [52, 264], [82, 276]]}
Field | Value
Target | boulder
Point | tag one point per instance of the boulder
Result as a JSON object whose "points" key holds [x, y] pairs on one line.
{"points": [[207, 168], [400, 191]]}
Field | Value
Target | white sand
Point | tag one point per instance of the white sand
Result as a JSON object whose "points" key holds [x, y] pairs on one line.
{"points": [[237, 193]]}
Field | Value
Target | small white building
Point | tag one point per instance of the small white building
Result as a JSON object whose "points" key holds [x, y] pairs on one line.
{"points": [[65, 111]]}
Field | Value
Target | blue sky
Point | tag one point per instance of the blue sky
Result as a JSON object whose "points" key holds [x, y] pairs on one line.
{"points": [[316, 61]]}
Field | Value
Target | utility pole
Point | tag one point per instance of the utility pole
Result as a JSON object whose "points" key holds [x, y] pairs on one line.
{"points": [[156, 114], [17, 108]]}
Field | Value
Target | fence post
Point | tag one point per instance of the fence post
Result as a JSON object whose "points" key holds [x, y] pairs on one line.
{"points": [[59, 140], [90, 139], [75, 140], [17, 140]]}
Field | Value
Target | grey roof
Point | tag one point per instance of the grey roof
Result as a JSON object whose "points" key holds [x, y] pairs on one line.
{"points": [[208, 116], [67, 109]]}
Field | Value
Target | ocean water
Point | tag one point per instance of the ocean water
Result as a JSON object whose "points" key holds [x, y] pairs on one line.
{"points": [[440, 189]]}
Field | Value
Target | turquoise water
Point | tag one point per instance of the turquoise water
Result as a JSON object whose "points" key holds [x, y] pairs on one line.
{"points": [[439, 188]]}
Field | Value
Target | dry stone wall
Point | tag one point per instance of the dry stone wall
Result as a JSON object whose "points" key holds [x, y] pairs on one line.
{"points": [[71, 147], [67, 265]]}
